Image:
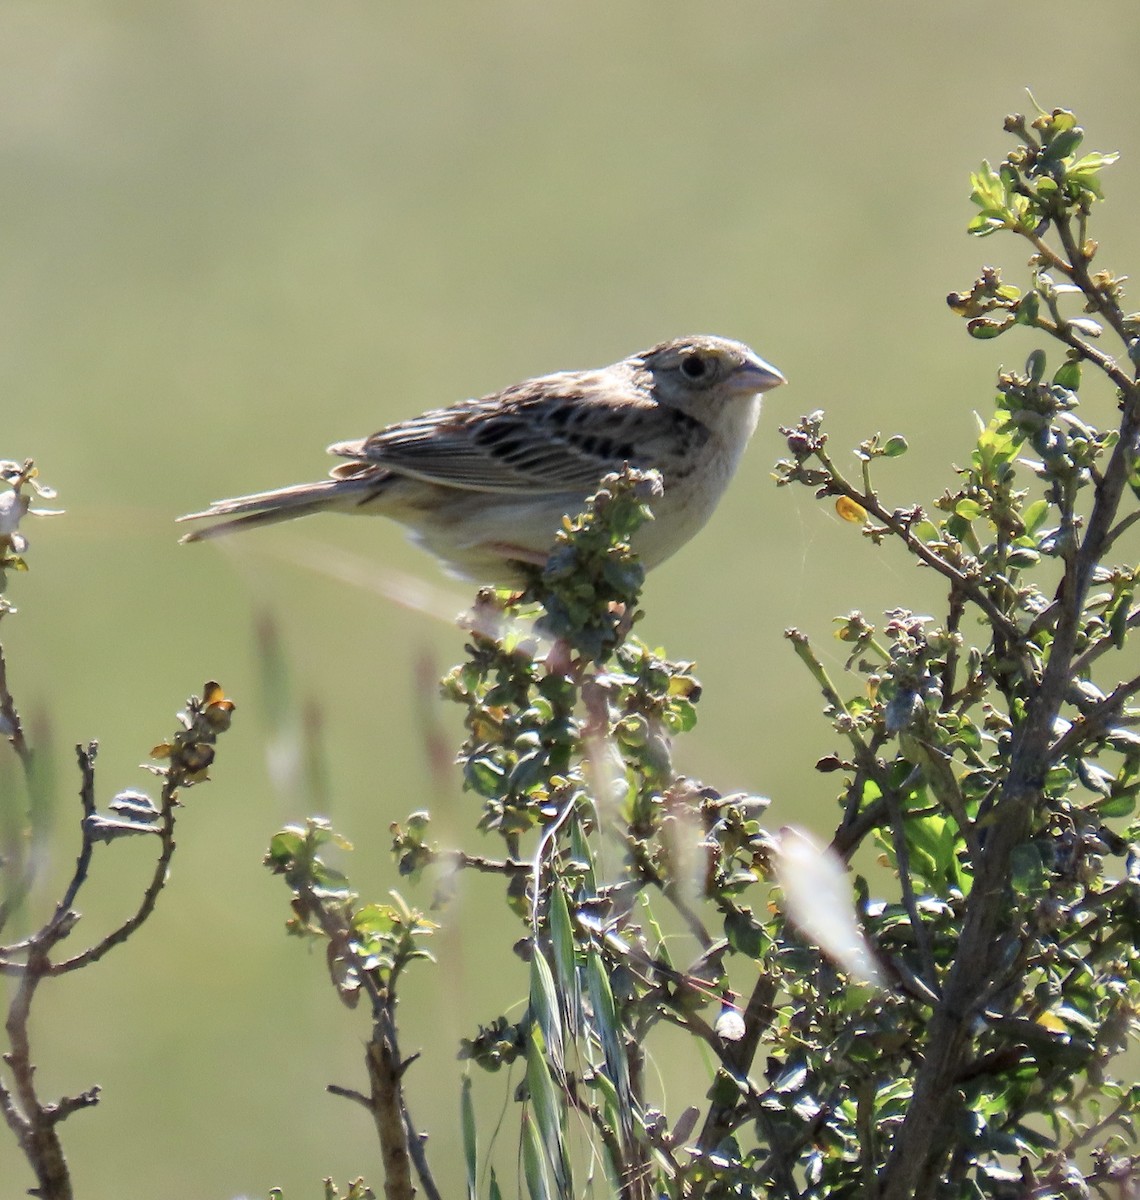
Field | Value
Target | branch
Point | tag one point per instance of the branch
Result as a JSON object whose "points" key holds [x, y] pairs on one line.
{"points": [[86, 759], [11, 725], [1101, 300], [150, 896], [1121, 528], [837, 485], [1063, 332], [401, 1146], [927, 1132], [10, 720], [737, 1061], [33, 1123], [1082, 664], [1091, 723]]}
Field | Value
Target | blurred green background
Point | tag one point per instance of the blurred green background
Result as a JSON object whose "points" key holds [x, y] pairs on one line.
{"points": [[234, 232]]}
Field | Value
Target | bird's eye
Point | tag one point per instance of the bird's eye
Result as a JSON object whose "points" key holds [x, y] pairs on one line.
{"points": [[693, 366]]}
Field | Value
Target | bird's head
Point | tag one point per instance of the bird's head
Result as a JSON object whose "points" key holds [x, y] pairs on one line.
{"points": [[702, 374]]}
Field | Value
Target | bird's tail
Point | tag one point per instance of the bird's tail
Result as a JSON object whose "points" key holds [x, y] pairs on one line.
{"points": [[284, 504]]}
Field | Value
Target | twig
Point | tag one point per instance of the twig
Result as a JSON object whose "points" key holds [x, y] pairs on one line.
{"points": [[1120, 528], [802, 647], [10, 722], [10, 718], [1078, 272], [86, 757], [478, 862], [910, 902], [1063, 332], [1082, 664], [953, 624], [334, 1089]]}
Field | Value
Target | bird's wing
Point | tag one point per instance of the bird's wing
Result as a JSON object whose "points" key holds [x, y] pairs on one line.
{"points": [[559, 433]]}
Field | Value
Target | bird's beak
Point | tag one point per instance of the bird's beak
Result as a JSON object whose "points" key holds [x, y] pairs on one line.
{"points": [[755, 375]]}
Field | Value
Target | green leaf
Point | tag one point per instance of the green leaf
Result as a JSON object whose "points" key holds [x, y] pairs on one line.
{"points": [[484, 776], [680, 716], [1118, 614], [1093, 162], [1027, 313], [609, 1033], [1123, 805], [986, 327], [285, 847], [961, 530], [580, 848], [374, 920], [1134, 475], [470, 1141], [534, 1163], [968, 734], [547, 1112], [599, 1081], [987, 189], [1085, 172], [544, 1008], [997, 444], [562, 947], [1034, 515], [1059, 121], [983, 226], [1027, 875], [1022, 558], [1062, 144], [1068, 375], [895, 446], [932, 844], [744, 935]]}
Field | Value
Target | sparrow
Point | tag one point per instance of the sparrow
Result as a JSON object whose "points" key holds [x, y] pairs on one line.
{"points": [[485, 484]]}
